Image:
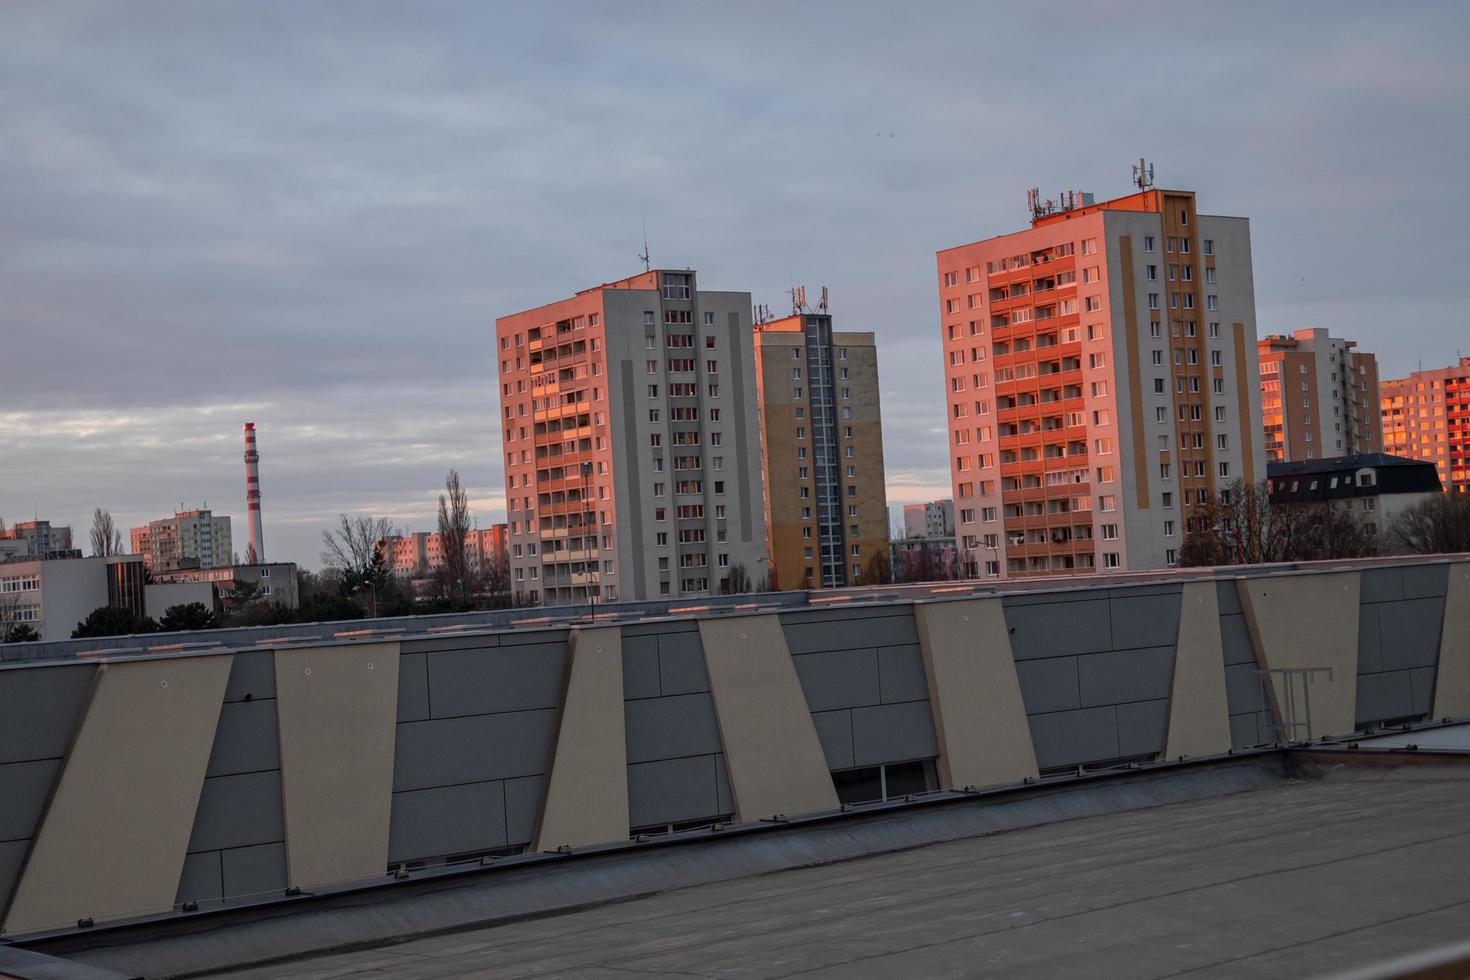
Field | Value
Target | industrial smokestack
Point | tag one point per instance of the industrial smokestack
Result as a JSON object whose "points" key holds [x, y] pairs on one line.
{"points": [[256, 553]]}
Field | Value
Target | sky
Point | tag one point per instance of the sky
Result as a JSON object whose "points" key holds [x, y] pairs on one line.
{"points": [[310, 215]]}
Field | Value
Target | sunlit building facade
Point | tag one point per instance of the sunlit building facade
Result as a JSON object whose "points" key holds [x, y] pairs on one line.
{"points": [[1427, 416], [632, 457], [1319, 397], [1101, 383]]}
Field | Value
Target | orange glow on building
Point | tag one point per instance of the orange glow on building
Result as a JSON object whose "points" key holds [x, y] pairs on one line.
{"points": [[1319, 397], [1427, 416]]}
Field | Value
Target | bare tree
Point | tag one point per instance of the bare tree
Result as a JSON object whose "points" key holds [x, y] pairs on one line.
{"points": [[1436, 525], [879, 570], [454, 527], [107, 540], [12, 628], [1241, 526], [356, 550], [737, 582]]}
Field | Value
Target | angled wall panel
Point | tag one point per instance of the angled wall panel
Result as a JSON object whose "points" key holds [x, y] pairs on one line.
{"points": [[775, 758], [979, 718], [1452, 681], [587, 790], [336, 707], [1308, 620], [114, 835], [1199, 717]]}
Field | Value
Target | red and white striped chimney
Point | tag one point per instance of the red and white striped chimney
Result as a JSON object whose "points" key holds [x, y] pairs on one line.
{"points": [[252, 496]]}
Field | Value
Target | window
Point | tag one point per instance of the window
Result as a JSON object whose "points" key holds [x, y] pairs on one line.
{"points": [[1155, 329], [1153, 301], [1158, 356], [1109, 532], [1212, 302], [1089, 246], [1214, 331], [1110, 559], [1210, 274], [1209, 246], [1148, 243]]}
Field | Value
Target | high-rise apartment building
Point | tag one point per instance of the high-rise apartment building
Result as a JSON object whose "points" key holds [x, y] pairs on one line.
{"points": [[826, 508], [1101, 382], [1319, 397], [420, 554], [1427, 416], [35, 539], [934, 519], [632, 468], [189, 539]]}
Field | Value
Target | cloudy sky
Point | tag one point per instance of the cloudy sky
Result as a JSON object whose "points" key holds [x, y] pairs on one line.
{"points": [[309, 215]]}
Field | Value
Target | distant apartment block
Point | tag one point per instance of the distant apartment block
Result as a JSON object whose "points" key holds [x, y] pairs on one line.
{"points": [[35, 539], [1101, 382], [1319, 397], [1427, 416], [271, 582], [826, 507], [1376, 486], [189, 539], [934, 519], [420, 554], [628, 418]]}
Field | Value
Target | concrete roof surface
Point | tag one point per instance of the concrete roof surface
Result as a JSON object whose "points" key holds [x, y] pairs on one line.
{"points": [[1302, 878]]}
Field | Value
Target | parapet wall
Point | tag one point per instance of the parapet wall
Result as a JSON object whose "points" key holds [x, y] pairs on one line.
{"points": [[132, 785]]}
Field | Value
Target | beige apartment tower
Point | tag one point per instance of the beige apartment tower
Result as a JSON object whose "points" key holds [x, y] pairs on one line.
{"points": [[189, 539], [1319, 397], [1101, 382], [632, 466], [826, 509]]}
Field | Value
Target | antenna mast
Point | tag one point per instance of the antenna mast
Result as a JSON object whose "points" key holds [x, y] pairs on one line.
{"points": [[647, 266], [1143, 174]]}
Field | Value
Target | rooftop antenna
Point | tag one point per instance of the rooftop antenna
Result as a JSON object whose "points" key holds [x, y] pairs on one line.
{"points": [[822, 306], [1143, 174], [647, 266]]}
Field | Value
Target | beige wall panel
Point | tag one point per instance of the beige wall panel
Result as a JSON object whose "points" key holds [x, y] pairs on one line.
{"points": [[336, 709], [1199, 716], [1308, 620], [587, 791], [1452, 681], [113, 838], [979, 719], [771, 747]]}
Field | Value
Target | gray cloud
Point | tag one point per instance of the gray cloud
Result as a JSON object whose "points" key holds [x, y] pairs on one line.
{"points": [[310, 215]]}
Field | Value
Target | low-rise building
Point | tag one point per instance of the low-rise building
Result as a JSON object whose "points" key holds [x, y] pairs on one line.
{"points": [[1379, 486], [53, 595], [273, 582]]}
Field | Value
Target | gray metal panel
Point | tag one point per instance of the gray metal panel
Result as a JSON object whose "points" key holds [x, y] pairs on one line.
{"points": [[1058, 629], [1130, 675], [202, 879], [640, 667], [840, 679], [12, 856], [254, 870], [413, 687], [431, 823], [723, 795], [1235, 640], [1383, 696], [1409, 632], [834, 729], [448, 641], [672, 791], [1069, 738], [526, 637], [1242, 688], [24, 787], [1243, 731], [506, 678], [1381, 585], [681, 664], [891, 629], [1141, 727], [245, 739], [1424, 581], [1421, 685], [448, 751], [1228, 598], [1370, 659], [253, 675], [1049, 685], [1145, 621], [668, 728], [238, 810], [522, 803], [42, 706], [893, 733], [901, 674]]}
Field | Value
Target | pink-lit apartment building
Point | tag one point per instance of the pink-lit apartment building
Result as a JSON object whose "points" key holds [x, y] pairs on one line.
{"points": [[1101, 382]]}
